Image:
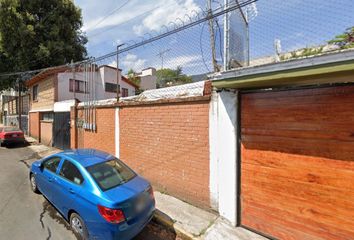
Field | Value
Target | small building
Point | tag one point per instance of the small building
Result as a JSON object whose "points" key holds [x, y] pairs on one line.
{"points": [[55, 90], [148, 78]]}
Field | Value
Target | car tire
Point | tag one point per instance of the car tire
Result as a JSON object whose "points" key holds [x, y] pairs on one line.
{"points": [[78, 226], [33, 183]]}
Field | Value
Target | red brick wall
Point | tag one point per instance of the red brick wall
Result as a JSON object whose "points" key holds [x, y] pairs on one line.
{"points": [[104, 138], [34, 130], [169, 145]]}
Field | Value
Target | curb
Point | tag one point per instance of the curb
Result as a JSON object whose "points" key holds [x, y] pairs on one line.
{"points": [[168, 222]]}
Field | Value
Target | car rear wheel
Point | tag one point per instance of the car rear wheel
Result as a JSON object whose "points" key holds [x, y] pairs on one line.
{"points": [[34, 184], [78, 226]]}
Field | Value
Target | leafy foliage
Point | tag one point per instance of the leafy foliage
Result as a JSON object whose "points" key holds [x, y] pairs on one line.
{"points": [[36, 34], [345, 40], [170, 77]]}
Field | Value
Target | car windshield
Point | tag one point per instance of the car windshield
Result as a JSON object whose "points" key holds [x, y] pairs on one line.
{"points": [[110, 174], [11, 129]]}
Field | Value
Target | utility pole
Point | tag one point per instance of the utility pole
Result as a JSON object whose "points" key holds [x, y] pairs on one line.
{"points": [[19, 103], [212, 37], [226, 36], [118, 75], [161, 55]]}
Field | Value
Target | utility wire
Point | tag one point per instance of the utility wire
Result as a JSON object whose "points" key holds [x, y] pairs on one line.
{"points": [[110, 14], [232, 7]]}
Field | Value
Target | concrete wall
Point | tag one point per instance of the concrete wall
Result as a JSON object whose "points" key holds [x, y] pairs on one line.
{"points": [[148, 79], [223, 154], [104, 74], [14, 120], [110, 75]]}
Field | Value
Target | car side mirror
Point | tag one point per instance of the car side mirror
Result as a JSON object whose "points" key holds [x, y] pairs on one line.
{"points": [[40, 166]]}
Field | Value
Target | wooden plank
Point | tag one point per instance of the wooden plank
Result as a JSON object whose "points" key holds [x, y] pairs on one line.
{"points": [[297, 163], [316, 230]]}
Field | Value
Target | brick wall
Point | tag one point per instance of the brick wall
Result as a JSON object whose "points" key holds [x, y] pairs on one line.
{"points": [[46, 95], [169, 145], [104, 138], [34, 128]]}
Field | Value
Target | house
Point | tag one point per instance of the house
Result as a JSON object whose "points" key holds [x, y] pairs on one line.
{"points": [[148, 78], [55, 90], [11, 108]]}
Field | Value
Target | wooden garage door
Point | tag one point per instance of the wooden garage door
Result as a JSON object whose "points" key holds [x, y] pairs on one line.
{"points": [[297, 163]]}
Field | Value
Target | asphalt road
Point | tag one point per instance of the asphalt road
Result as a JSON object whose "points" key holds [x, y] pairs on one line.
{"points": [[26, 215]]}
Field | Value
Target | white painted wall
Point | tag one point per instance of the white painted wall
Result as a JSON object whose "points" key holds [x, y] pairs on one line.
{"points": [[110, 75], [148, 79], [105, 74], [223, 152]]}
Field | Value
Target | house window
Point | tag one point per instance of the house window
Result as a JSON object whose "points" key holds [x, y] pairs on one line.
{"points": [[125, 92], [47, 116], [110, 87], [35, 93], [77, 86]]}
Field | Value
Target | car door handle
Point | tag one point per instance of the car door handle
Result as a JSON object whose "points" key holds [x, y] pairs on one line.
{"points": [[71, 191], [50, 179]]}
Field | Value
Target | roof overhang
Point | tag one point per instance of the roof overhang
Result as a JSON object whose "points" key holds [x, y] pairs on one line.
{"points": [[324, 69]]}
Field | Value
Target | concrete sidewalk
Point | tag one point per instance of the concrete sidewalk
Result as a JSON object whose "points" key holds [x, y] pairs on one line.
{"points": [[190, 222]]}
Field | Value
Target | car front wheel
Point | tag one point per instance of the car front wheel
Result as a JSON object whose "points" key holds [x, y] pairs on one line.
{"points": [[78, 226], [34, 184]]}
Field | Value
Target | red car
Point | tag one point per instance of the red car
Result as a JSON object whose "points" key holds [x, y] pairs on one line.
{"points": [[11, 135]]}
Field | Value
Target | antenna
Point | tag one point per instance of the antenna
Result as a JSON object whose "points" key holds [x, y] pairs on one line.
{"points": [[161, 55]]}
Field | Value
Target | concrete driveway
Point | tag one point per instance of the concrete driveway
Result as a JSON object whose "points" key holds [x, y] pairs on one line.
{"points": [[25, 215]]}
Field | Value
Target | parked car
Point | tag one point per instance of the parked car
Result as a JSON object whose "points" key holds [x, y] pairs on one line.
{"points": [[11, 135], [100, 196]]}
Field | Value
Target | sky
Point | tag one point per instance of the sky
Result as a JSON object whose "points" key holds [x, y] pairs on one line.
{"points": [[296, 23]]}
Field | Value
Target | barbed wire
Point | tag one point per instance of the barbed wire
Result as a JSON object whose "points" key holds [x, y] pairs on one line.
{"points": [[177, 26]]}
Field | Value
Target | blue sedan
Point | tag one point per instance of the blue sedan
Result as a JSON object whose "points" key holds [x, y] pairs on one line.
{"points": [[100, 196]]}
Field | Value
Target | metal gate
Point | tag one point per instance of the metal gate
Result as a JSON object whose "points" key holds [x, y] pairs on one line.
{"points": [[61, 130]]}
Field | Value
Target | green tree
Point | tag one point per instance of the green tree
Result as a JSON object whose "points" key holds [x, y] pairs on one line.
{"points": [[132, 76], [171, 77], [345, 40], [36, 34]]}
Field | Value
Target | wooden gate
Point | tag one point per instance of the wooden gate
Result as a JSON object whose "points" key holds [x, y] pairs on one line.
{"points": [[297, 163], [61, 130]]}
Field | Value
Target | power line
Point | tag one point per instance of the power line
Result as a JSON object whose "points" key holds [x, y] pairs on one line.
{"points": [[110, 14], [131, 19], [232, 7]]}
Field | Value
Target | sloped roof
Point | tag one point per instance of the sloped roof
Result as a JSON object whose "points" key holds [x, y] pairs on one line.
{"points": [[44, 74]]}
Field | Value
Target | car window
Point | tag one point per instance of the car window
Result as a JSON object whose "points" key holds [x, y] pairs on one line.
{"points": [[52, 164], [110, 174], [71, 173]]}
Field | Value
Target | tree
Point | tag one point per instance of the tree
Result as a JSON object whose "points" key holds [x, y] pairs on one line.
{"points": [[132, 76], [345, 40], [36, 34], [170, 77]]}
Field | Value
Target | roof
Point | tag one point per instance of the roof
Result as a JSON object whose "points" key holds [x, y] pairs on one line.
{"points": [[44, 74], [87, 156], [307, 71]]}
